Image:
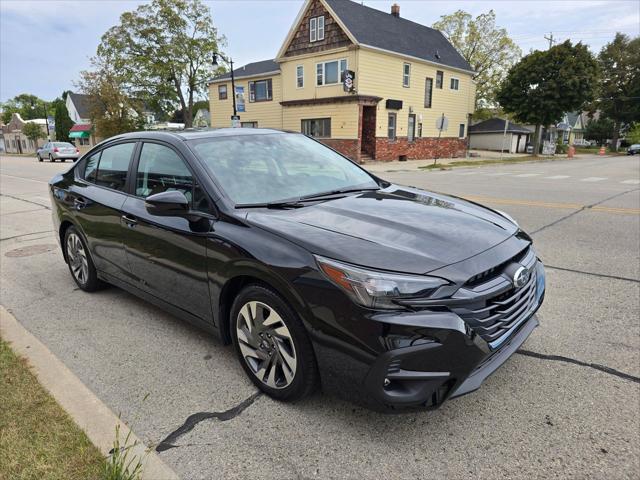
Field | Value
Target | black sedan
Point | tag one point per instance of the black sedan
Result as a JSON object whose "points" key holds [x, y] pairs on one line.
{"points": [[317, 272]]}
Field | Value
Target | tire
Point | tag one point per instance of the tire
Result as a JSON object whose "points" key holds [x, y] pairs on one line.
{"points": [[39, 158], [79, 261], [281, 363], [51, 158]]}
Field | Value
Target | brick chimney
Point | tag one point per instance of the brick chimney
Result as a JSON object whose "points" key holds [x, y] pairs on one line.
{"points": [[395, 10]]}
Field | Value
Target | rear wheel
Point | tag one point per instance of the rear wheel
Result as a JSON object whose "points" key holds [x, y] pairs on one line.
{"points": [[39, 158], [272, 344], [80, 264]]}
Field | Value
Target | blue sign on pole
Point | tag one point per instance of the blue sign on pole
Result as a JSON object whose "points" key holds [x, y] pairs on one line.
{"points": [[240, 99]]}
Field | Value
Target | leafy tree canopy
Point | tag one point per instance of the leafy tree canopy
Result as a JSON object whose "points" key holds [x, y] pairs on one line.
{"points": [[163, 52], [545, 85], [33, 131], [619, 87], [27, 105], [487, 48], [62, 119], [600, 130]]}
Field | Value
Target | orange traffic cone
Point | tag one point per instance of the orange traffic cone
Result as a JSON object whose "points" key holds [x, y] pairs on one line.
{"points": [[601, 152]]}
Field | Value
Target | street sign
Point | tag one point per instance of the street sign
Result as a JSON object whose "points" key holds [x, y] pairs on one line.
{"points": [[442, 123], [52, 123]]}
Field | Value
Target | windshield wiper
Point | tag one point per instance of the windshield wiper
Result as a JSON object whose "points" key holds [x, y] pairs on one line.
{"points": [[337, 192], [274, 205]]}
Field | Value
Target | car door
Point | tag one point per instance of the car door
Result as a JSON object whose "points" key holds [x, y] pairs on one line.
{"points": [[167, 255], [45, 150], [98, 195]]}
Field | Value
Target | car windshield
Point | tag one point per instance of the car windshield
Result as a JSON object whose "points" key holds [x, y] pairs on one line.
{"points": [[272, 167]]}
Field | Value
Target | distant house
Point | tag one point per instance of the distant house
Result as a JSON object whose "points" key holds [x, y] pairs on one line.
{"points": [[491, 135], [571, 128], [17, 142], [79, 108], [202, 118]]}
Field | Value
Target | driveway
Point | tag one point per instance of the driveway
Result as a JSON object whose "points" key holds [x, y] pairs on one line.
{"points": [[565, 406]]}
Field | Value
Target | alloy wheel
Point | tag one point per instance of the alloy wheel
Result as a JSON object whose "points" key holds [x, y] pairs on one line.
{"points": [[266, 344], [77, 258]]}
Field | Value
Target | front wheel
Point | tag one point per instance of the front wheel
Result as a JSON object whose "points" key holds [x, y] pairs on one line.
{"points": [[80, 264], [39, 158], [272, 344]]}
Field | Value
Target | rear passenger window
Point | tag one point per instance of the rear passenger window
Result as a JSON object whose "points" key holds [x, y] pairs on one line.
{"points": [[113, 166], [91, 168]]}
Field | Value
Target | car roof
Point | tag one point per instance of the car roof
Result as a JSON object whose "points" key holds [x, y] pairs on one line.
{"points": [[191, 134]]}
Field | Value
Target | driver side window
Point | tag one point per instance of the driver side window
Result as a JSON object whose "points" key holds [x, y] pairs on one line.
{"points": [[160, 169]]}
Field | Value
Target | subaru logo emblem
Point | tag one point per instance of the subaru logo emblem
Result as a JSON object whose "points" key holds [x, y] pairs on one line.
{"points": [[521, 277]]}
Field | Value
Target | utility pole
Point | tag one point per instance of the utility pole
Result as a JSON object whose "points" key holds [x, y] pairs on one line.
{"points": [[550, 39]]}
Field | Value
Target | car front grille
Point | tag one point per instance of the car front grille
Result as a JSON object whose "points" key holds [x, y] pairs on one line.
{"points": [[496, 307]]}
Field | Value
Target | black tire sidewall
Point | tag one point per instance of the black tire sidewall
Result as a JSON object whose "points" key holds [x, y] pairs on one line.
{"points": [[306, 376], [92, 283]]}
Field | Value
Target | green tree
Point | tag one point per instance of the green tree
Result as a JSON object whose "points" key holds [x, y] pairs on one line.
{"points": [[633, 136], [164, 52], [62, 119], [33, 132], [545, 84], [112, 111], [619, 88], [27, 105], [487, 48], [600, 130]]}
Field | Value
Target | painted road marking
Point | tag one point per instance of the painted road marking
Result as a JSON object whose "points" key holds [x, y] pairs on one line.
{"points": [[631, 182], [523, 175], [499, 174], [564, 206], [593, 179], [557, 177]]}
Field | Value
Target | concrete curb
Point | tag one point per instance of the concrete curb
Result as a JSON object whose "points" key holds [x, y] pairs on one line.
{"points": [[93, 416]]}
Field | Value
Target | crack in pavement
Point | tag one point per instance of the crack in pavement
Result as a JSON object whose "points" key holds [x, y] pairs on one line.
{"points": [[596, 366], [24, 200], [602, 275], [586, 207], [26, 235], [196, 418]]}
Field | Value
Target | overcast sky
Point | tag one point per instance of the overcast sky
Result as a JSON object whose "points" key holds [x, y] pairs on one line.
{"points": [[45, 43]]}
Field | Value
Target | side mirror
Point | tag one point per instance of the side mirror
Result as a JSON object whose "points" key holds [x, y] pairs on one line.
{"points": [[171, 203]]}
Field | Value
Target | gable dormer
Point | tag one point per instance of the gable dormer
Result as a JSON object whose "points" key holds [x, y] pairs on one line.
{"points": [[315, 31]]}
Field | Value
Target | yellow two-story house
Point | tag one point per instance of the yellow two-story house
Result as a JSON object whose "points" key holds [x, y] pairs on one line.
{"points": [[368, 83]]}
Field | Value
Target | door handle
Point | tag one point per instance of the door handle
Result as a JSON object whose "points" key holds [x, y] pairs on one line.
{"points": [[79, 202], [129, 220]]}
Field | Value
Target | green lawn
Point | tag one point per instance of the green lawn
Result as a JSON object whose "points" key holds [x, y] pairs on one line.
{"points": [[38, 440]]}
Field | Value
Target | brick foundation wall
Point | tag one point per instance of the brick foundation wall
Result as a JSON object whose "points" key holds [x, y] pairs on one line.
{"points": [[348, 147], [420, 148]]}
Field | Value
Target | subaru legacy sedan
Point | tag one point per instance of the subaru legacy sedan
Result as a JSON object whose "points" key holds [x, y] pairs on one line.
{"points": [[57, 151], [318, 273]]}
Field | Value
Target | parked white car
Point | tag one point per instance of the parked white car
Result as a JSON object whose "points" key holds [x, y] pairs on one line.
{"points": [[58, 151]]}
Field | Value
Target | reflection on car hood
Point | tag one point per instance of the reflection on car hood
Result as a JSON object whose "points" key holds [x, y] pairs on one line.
{"points": [[398, 229]]}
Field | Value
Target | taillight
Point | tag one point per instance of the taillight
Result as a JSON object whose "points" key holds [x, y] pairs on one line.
{"points": [[77, 150], [56, 150]]}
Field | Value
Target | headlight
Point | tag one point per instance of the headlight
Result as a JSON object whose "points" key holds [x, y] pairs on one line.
{"points": [[377, 289], [508, 217]]}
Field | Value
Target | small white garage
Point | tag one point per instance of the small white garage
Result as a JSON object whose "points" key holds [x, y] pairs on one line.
{"points": [[491, 135]]}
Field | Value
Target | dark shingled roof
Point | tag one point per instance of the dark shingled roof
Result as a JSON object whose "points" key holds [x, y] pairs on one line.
{"points": [[82, 103], [250, 69], [382, 30], [496, 125]]}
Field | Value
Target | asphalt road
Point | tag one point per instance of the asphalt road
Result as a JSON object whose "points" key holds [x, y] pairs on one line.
{"points": [[566, 406]]}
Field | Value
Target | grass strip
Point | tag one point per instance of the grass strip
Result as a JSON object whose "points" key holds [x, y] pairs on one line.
{"points": [[38, 439]]}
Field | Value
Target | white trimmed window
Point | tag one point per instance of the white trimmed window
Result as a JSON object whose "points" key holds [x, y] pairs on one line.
{"points": [[316, 29], [330, 73], [406, 74], [299, 76], [455, 84]]}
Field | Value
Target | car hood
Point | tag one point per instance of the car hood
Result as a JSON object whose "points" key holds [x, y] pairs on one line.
{"points": [[397, 229]]}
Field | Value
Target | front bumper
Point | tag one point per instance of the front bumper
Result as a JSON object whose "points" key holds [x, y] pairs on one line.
{"points": [[429, 357]]}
